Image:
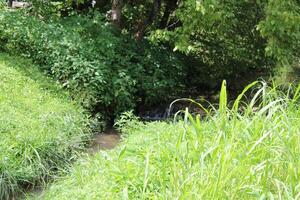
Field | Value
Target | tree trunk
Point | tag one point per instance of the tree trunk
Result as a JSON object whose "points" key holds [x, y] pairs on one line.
{"points": [[116, 12], [101, 3], [10, 3], [153, 15], [171, 6]]}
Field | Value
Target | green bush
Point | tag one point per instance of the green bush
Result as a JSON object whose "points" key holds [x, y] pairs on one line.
{"points": [[106, 70], [40, 128]]}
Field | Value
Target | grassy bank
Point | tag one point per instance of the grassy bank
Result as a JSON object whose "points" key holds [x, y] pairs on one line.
{"points": [[252, 154], [40, 127]]}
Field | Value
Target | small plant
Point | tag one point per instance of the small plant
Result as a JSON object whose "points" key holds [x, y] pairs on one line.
{"points": [[126, 120]]}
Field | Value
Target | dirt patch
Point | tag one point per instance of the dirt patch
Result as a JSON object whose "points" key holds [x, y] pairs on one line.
{"points": [[105, 141]]}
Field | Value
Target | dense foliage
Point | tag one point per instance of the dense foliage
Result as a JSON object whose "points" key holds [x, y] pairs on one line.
{"points": [[282, 29], [222, 34], [223, 39], [228, 155], [233, 35], [40, 128], [106, 70], [116, 55], [226, 36], [2, 4]]}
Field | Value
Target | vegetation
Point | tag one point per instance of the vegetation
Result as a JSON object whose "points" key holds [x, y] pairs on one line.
{"points": [[223, 35], [40, 127], [112, 56], [281, 28], [2, 4], [82, 45], [88, 58], [228, 155]]}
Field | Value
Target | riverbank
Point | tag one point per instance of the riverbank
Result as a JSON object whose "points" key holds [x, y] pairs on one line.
{"points": [[225, 155]]}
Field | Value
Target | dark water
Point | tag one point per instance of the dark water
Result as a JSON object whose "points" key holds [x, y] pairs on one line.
{"points": [[167, 111]]}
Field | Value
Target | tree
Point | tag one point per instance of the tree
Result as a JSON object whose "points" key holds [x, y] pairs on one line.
{"points": [[100, 4], [222, 35], [170, 7], [152, 16], [10, 3], [116, 12], [281, 28]]}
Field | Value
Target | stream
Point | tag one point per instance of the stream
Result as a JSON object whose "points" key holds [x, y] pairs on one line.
{"points": [[111, 137], [104, 141]]}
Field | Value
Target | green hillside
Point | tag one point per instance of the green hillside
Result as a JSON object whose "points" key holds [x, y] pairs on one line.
{"points": [[40, 127]]}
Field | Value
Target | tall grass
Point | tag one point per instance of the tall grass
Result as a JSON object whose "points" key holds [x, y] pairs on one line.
{"points": [[246, 151], [40, 128]]}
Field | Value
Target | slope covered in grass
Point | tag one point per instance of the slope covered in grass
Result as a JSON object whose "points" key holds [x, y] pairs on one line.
{"points": [[39, 126], [231, 155]]}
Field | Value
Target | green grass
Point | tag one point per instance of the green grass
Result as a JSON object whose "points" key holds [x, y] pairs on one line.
{"points": [[252, 154], [40, 127]]}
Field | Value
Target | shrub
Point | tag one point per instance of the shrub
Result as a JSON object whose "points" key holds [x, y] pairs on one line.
{"points": [[40, 128], [106, 70]]}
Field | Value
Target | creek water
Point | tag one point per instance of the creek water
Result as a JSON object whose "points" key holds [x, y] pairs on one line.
{"points": [[111, 137], [167, 111], [104, 141]]}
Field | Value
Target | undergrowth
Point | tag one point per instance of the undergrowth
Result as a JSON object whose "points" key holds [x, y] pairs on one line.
{"points": [[246, 151]]}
